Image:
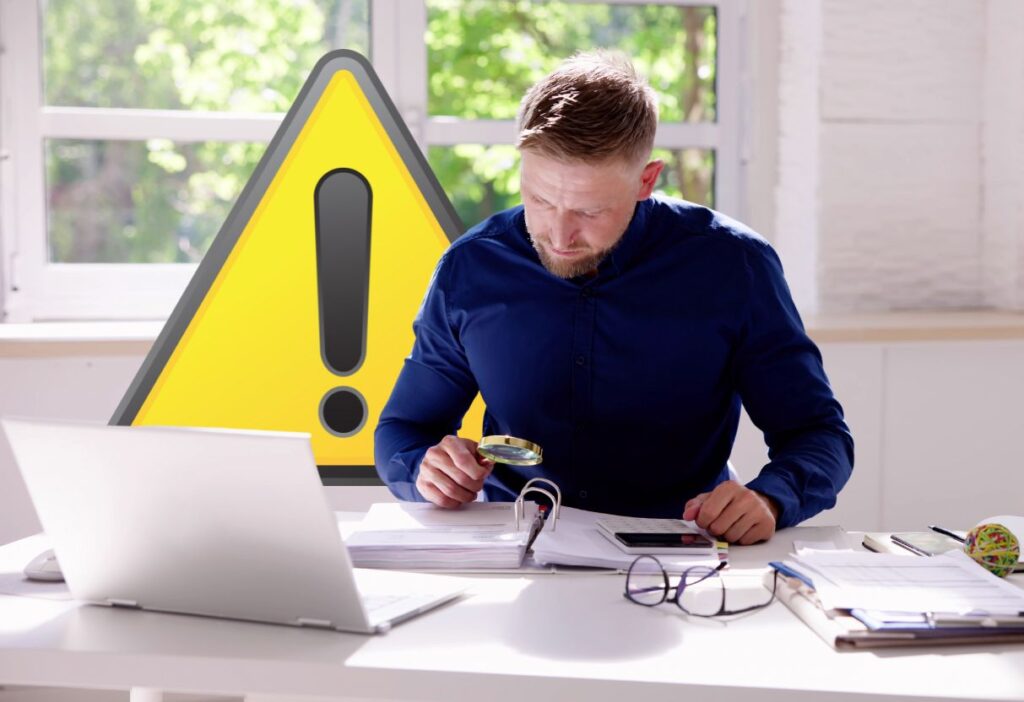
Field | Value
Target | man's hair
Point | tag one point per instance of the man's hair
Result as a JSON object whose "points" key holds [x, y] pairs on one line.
{"points": [[594, 107]]}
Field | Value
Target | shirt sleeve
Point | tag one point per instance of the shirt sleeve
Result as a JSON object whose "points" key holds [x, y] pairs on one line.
{"points": [[431, 395], [783, 386]]}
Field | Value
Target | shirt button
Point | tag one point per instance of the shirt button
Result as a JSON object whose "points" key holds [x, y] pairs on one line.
{"points": [[587, 293], [580, 360], [583, 494]]}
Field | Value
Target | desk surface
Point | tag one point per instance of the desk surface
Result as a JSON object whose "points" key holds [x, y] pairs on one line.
{"points": [[511, 638]]}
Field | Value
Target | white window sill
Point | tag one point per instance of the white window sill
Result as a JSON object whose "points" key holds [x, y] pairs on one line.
{"points": [[952, 325], [78, 338], [137, 337], [56, 332]]}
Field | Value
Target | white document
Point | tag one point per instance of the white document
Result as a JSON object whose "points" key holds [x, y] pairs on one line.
{"points": [[947, 583], [577, 541]]}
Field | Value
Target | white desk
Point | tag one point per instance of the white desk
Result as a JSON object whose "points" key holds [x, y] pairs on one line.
{"points": [[512, 639]]}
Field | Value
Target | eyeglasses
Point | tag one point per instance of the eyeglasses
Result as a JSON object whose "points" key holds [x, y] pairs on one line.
{"points": [[700, 592]]}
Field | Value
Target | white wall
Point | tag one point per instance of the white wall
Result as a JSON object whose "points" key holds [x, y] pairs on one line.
{"points": [[900, 133], [1003, 152]]}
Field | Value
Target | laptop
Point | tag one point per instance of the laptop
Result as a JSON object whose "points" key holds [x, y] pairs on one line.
{"points": [[220, 523]]}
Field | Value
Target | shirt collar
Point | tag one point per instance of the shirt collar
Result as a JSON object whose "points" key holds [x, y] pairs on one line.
{"points": [[624, 252]]}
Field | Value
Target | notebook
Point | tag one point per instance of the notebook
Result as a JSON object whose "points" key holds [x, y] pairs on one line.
{"points": [[220, 523]]}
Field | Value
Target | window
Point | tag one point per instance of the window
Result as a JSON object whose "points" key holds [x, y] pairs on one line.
{"points": [[131, 126]]}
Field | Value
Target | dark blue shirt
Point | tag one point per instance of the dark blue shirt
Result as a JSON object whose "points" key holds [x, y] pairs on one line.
{"points": [[631, 379]]}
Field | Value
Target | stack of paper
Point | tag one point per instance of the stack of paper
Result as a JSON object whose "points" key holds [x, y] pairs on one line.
{"points": [[949, 583], [416, 535], [860, 600], [576, 540]]}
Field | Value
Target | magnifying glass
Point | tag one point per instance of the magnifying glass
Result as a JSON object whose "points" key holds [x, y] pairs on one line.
{"points": [[508, 449]]}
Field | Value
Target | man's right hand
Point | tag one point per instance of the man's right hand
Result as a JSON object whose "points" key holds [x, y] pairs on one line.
{"points": [[452, 472]]}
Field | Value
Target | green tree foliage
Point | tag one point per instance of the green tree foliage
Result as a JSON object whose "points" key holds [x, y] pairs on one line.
{"points": [[484, 54], [159, 201]]}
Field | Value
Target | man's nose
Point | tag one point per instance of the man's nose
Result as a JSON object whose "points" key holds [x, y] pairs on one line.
{"points": [[563, 231]]}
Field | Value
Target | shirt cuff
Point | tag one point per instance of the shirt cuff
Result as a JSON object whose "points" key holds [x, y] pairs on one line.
{"points": [[776, 487]]}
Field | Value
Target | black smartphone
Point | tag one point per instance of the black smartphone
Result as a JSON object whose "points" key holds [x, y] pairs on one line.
{"points": [[663, 540], [925, 543]]}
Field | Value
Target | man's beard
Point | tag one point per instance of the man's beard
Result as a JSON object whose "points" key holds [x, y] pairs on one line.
{"points": [[568, 268]]}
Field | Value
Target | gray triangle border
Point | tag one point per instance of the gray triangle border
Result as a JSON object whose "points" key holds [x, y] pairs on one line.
{"points": [[230, 232]]}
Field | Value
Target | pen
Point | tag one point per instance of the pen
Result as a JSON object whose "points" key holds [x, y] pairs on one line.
{"points": [[946, 532]]}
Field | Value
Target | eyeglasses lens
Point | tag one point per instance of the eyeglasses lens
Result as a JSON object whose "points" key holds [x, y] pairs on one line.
{"points": [[646, 582], [701, 592]]}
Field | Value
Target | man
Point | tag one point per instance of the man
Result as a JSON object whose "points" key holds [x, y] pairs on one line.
{"points": [[620, 332]]}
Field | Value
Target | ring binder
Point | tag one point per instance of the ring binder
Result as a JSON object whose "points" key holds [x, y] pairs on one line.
{"points": [[556, 500]]}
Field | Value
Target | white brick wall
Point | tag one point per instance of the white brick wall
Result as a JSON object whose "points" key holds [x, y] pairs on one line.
{"points": [[796, 193], [902, 60], [901, 144], [1003, 149]]}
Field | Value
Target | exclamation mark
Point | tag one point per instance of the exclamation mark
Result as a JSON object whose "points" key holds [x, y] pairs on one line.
{"points": [[342, 203]]}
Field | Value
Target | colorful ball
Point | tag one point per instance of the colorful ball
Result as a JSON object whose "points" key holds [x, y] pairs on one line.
{"points": [[993, 546]]}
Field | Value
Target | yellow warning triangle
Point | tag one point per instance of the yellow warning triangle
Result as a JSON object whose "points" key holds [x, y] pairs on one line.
{"points": [[299, 316]]}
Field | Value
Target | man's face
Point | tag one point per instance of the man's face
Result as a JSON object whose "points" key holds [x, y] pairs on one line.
{"points": [[577, 212]]}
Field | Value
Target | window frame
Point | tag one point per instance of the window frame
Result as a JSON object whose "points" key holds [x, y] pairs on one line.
{"points": [[35, 289]]}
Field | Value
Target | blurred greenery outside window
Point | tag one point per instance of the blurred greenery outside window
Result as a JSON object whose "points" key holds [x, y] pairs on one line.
{"points": [[159, 200], [483, 55], [164, 200]]}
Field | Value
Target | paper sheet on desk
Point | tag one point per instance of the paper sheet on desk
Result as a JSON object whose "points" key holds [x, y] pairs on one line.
{"points": [[576, 541], [950, 583]]}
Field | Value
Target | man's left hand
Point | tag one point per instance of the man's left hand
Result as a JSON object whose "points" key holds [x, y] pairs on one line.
{"points": [[734, 513]]}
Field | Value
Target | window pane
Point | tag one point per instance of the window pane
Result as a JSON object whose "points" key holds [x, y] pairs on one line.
{"points": [[141, 202], [482, 180], [248, 56], [484, 54], [689, 174], [479, 180]]}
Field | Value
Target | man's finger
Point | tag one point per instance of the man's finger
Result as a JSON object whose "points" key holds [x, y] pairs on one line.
{"points": [[693, 505], [460, 477], [760, 531], [465, 459], [434, 495], [448, 486], [715, 503], [728, 519], [440, 458], [740, 528]]}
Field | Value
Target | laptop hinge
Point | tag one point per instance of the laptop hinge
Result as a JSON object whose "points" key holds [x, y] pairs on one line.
{"points": [[122, 603], [315, 623]]}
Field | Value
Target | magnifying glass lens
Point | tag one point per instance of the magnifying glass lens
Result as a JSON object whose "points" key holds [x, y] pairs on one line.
{"points": [[510, 450]]}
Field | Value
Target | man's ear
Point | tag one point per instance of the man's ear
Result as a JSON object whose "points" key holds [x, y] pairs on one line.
{"points": [[649, 177]]}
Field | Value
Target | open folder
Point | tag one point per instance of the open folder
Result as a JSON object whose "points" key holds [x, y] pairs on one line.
{"points": [[492, 536], [866, 600]]}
